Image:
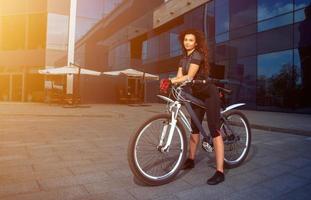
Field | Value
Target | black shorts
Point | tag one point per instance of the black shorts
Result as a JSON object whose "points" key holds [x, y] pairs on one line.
{"points": [[209, 94]]}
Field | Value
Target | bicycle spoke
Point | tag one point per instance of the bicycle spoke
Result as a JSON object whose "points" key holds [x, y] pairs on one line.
{"points": [[151, 161]]}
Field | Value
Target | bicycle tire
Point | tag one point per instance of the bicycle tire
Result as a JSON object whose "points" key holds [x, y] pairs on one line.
{"points": [[143, 173], [240, 126]]}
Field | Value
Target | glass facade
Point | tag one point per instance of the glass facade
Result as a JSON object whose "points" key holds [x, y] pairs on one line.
{"points": [[23, 27], [34, 34], [264, 47]]}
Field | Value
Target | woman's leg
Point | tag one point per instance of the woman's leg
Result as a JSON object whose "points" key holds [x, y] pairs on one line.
{"points": [[219, 153], [194, 138], [193, 143], [213, 119]]}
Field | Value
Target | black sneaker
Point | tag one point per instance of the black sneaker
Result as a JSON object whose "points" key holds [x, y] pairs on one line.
{"points": [[189, 164], [218, 177]]}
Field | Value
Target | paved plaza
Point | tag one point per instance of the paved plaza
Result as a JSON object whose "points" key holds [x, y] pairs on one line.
{"points": [[50, 152]]}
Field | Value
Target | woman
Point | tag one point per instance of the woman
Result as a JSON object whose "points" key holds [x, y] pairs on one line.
{"points": [[194, 65]]}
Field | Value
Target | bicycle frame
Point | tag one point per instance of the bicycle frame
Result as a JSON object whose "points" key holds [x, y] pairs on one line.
{"points": [[176, 112]]}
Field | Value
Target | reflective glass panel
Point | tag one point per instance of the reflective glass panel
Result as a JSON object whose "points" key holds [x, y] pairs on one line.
{"points": [[242, 73], [275, 40], [242, 13], [221, 16], [57, 31], [13, 32], [302, 3], [175, 47], [245, 46], [302, 32], [37, 31], [222, 51], [267, 8], [299, 16], [209, 25], [275, 22], [276, 79], [302, 72], [222, 37]]}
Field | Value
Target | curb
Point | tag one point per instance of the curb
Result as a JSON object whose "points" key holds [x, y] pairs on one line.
{"points": [[281, 130]]}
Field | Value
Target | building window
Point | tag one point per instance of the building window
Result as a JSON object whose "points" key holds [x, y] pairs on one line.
{"points": [[175, 48], [275, 22], [209, 23], [144, 55], [302, 4], [221, 16], [302, 32], [242, 47], [275, 40], [119, 57], [13, 32], [37, 31], [277, 80], [268, 9], [242, 73], [222, 37], [57, 29], [242, 13]]}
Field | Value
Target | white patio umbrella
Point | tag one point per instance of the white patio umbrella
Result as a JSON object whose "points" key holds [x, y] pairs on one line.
{"points": [[68, 70], [132, 73]]}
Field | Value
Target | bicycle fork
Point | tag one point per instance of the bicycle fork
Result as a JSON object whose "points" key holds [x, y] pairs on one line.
{"points": [[174, 113]]}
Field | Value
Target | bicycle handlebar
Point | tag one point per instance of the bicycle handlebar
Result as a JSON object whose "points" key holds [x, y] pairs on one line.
{"points": [[211, 80]]}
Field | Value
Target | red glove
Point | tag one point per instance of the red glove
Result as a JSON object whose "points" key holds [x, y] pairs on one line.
{"points": [[165, 84]]}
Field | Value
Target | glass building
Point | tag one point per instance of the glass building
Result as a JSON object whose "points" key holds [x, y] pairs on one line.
{"points": [[33, 36], [262, 46]]}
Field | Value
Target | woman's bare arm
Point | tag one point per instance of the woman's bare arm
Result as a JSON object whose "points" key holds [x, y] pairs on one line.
{"points": [[193, 69], [179, 72]]}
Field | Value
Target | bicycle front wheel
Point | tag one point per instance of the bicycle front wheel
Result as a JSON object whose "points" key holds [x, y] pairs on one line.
{"points": [[237, 138], [147, 160]]}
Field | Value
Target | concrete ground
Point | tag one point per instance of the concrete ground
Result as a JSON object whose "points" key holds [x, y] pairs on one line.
{"points": [[51, 152]]}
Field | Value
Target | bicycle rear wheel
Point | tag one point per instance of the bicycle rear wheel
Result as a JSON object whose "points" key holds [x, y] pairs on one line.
{"points": [[147, 162], [237, 138]]}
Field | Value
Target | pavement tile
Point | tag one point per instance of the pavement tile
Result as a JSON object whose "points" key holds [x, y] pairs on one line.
{"points": [[113, 195], [297, 162], [274, 170], [301, 193], [58, 165], [14, 177], [166, 197], [18, 188], [68, 193], [240, 182], [204, 192], [59, 182], [257, 192], [303, 172], [284, 183], [104, 186], [4, 169]]}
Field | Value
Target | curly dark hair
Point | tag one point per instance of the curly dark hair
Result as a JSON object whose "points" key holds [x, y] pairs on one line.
{"points": [[201, 45]]}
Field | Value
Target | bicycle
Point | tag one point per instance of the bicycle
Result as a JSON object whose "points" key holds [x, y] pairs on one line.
{"points": [[158, 149]]}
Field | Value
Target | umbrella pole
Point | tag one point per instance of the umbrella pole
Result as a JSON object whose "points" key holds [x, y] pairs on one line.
{"points": [[143, 87], [78, 86]]}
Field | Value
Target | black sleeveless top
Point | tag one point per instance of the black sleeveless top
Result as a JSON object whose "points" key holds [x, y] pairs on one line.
{"points": [[195, 58]]}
